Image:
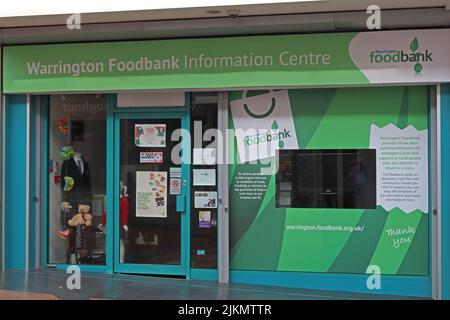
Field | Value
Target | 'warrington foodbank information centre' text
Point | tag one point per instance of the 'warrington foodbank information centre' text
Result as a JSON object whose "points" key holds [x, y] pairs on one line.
{"points": [[142, 64]]}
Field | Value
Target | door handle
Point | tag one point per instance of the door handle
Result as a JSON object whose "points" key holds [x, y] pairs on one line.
{"points": [[181, 203]]}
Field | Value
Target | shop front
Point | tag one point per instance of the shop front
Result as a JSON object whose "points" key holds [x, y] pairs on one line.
{"points": [[135, 145], [308, 161]]}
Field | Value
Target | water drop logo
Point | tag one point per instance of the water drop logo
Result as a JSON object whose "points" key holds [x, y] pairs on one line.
{"points": [[275, 127]]}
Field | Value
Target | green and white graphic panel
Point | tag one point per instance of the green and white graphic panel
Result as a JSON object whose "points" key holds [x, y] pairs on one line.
{"points": [[393, 235], [405, 56]]}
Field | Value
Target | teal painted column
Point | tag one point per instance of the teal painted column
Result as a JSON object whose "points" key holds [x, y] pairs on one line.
{"points": [[16, 246], [445, 176], [111, 103], [32, 189]]}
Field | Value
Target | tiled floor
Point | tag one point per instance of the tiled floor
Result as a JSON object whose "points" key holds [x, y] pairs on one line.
{"points": [[51, 284]]}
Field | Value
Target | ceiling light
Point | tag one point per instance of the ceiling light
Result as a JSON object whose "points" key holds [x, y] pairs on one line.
{"points": [[213, 12], [233, 13]]}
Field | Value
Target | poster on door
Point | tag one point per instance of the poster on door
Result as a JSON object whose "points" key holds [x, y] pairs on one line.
{"points": [[151, 194], [150, 135]]}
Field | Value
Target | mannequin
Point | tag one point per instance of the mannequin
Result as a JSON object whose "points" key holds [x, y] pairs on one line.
{"points": [[123, 219], [77, 169], [123, 211]]}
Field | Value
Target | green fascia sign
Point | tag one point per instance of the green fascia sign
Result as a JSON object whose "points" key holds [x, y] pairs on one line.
{"points": [[210, 63]]}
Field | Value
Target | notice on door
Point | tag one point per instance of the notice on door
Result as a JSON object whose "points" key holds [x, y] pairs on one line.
{"points": [[151, 194], [150, 135], [402, 167]]}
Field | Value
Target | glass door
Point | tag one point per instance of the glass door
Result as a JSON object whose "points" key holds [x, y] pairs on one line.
{"points": [[151, 189]]}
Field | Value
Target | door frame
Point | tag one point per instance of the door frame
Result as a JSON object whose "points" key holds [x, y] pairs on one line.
{"points": [[113, 243]]}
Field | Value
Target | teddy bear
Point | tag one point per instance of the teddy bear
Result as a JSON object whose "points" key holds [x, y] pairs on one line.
{"points": [[83, 217]]}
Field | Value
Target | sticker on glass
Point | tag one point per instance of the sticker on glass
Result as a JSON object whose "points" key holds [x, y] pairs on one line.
{"points": [[175, 180], [151, 157]]}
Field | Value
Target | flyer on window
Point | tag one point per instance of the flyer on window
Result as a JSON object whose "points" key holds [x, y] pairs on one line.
{"points": [[204, 177], [204, 219], [206, 156], [151, 194], [205, 199]]}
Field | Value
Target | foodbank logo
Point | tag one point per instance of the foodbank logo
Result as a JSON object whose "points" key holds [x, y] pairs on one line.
{"points": [[263, 124], [266, 137], [414, 56]]}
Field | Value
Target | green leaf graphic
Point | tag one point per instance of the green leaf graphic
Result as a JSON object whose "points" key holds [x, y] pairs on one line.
{"points": [[414, 44], [274, 125]]}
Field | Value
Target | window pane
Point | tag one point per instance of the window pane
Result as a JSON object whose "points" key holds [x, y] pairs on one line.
{"points": [[149, 234], [204, 220], [77, 179]]}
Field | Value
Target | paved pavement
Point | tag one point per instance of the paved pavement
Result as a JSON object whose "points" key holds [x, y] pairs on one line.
{"points": [[51, 285]]}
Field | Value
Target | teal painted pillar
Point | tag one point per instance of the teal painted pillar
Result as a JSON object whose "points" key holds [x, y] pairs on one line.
{"points": [[111, 103], [445, 176], [15, 189]]}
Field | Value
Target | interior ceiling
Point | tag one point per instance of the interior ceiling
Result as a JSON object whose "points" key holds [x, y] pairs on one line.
{"points": [[108, 14]]}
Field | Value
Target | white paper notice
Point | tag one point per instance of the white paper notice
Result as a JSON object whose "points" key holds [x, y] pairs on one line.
{"points": [[205, 199], [204, 177], [205, 156], [402, 167], [151, 194]]}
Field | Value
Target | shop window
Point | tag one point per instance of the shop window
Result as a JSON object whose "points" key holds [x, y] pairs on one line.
{"points": [[326, 179], [77, 179]]}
